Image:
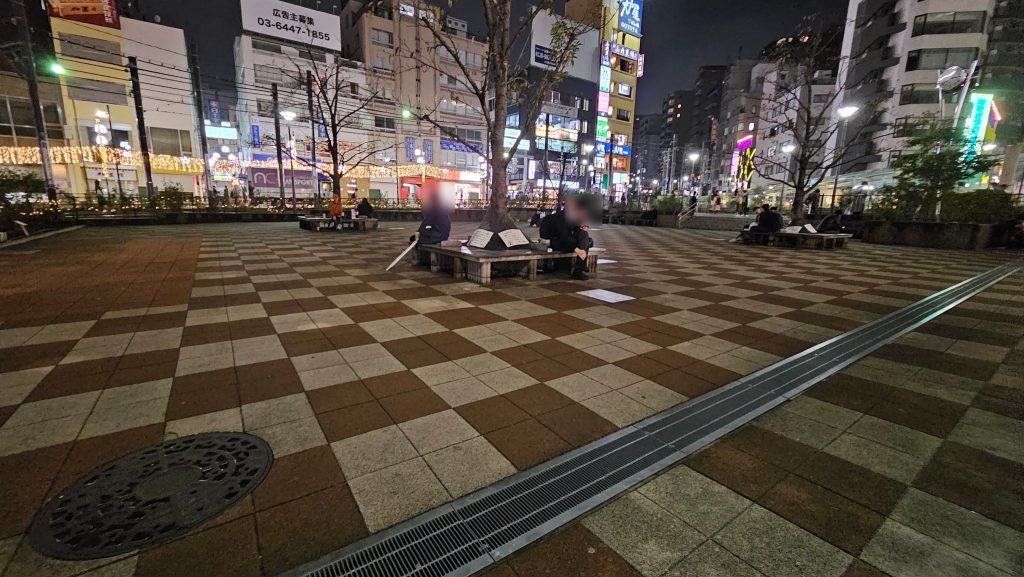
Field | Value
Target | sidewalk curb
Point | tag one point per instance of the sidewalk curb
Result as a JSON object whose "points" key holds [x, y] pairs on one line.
{"points": [[27, 239]]}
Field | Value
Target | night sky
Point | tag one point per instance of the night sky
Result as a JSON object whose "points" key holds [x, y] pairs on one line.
{"points": [[679, 35], [682, 35]]}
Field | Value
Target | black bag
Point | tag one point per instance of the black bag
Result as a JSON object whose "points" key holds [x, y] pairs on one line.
{"points": [[547, 227]]}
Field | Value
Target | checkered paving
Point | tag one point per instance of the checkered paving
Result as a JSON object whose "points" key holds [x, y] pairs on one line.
{"points": [[384, 394], [905, 464]]}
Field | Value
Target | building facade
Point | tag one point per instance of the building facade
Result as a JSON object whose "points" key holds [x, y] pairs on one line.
{"points": [[677, 119], [647, 152]]}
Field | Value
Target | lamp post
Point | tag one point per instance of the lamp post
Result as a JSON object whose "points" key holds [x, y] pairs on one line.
{"points": [[693, 164], [787, 149], [289, 116], [845, 113]]}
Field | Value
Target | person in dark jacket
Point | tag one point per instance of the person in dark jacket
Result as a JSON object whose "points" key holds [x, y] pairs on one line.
{"points": [[364, 209], [437, 223], [569, 232]]}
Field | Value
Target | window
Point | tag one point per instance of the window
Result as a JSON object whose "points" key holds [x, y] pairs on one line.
{"points": [[924, 94], [170, 141], [821, 98], [620, 139], [96, 90], [555, 97], [471, 59], [907, 126], [581, 103], [622, 114], [940, 58], [20, 123], [949, 23], [627, 66], [382, 37], [512, 120], [86, 48], [624, 90], [264, 74], [893, 155], [454, 82], [353, 88], [384, 122], [117, 136], [382, 64]]}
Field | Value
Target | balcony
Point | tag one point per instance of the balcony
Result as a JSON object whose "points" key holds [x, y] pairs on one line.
{"points": [[872, 61], [876, 29]]}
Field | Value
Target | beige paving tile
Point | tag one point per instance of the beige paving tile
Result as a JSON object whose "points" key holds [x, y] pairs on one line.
{"points": [[463, 391], [327, 376], [373, 451], [992, 432], [470, 465], [17, 385], [506, 380], [275, 411], [618, 408], [445, 372], [578, 387], [479, 364], [49, 409], [40, 434], [292, 436], [437, 431], [148, 341], [778, 548], [798, 427], [319, 360], [124, 417], [228, 420], [650, 538], [204, 364], [826, 413], [653, 395], [612, 376], [902, 552], [876, 457], [711, 560], [898, 437], [702, 503], [60, 332], [396, 493]]}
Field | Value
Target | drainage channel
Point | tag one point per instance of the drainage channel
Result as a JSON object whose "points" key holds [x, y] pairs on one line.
{"points": [[479, 529]]}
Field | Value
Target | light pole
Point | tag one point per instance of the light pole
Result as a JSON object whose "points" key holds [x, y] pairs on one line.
{"points": [[289, 116], [787, 149], [693, 165], [845, 113]]}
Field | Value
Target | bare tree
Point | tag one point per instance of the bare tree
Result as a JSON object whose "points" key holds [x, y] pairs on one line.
{"points": [[341, 103], [502, 82], [806, 108]]}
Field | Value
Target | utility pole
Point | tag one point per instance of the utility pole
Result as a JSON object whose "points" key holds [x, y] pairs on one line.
{"points": [[133, 69], [117, 161], [672, 163], [561, 179], [197, 91], [312, 145], [277, 142], [37, 105]]}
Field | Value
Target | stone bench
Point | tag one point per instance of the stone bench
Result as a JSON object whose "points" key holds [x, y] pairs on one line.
{"points": [[821, 241], [313, 223], [359, 223], [475, 265]]}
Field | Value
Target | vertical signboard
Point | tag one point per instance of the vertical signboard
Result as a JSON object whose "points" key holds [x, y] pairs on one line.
{"points": [[98, 12], [631, 15]]}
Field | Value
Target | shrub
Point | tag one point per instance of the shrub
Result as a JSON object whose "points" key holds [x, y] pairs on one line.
{"points": [[984, 206], [670, 204]]}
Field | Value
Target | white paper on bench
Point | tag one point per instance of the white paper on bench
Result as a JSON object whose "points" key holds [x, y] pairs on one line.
{"points": [[513, 237], [480, 238], [605, 295]]}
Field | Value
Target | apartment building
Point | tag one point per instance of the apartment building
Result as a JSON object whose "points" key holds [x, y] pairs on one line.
{"points": [[892, 53], [647, 151], [416, 77], [737, 121], [677, 118], [707, 103]]}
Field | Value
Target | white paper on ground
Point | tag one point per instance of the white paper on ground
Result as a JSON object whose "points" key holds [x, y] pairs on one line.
{"points": [[605, 295], [606, 261]]}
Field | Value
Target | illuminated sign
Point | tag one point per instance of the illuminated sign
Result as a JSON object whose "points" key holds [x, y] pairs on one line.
{"points": [[602, 129], [624, 51], [98, 12], [605, 81], [620, 150], [640, 67], [542, 55], [602, 102], [631, 15], [601, 149], [606, 53], [556, 132], [511, 134], [977, 123]]}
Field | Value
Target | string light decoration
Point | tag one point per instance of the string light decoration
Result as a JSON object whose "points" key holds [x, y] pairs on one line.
{"points": [[103, 155]]}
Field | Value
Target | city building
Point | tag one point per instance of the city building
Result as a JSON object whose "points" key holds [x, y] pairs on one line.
{"points": [[737, 122], [415, 79], [892, 53], [677, 118], [703, 131], [647, 151], [621, 64]]}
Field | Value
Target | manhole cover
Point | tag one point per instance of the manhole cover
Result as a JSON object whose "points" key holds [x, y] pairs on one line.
{"points": [[151, 496]]}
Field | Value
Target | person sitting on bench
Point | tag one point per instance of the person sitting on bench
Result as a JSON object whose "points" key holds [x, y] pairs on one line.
{"points": [[832, 223], [364, 209], [436, 225], [768, 221], [568, 231]]}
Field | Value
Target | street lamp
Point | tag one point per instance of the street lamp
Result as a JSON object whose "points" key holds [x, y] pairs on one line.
{"points": [[845, 113], [289, 115], [788, 148], [693, 162]]}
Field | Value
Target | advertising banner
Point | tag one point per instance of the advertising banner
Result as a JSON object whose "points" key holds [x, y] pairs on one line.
{"points": [[291, 22], [631, 15], [542, 55], [98, 12]]}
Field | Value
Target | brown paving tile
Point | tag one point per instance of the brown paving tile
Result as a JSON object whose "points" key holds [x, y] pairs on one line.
{"points": [[315, 304], [643, 366], [684, 383], [279, 308], [205, 334], [354, 420], [483, 298], [364, 313], [850, 392], [413, 404], [778, 450], [574, 552], [1005, 401], [452, 345], [28, 357], [413, 293], [106, 327], [876, 492], [861, 569], [346, 336], [142, 374], [710, 373], [307, 528], [527, 443], [545, 370], [821, 320], [307, 347], [202, 393], [149, 358], [832, 517], [538, 399], [249, 328], [576, 424], [227, 550], [670, 358], [297, 475], [393, 384], [6, 412], [395, 309], [267, 380], [338, 396], [422, 357], [517, 356], [729, 313], [976, 480], [579, 361], [492, 413], [63, 381], [501, 570], [926, 413], [31, 473], [162, 321], [740, 471], [978, 335], [552, 348], [976, 369]]}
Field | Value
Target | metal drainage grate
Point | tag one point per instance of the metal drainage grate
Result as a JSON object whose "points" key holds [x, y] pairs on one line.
{"points": [[470, 533], [150, 496]]}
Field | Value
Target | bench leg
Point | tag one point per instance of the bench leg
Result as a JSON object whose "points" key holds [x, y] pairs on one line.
{"points": [[435, 263], [531, 270], [458, 268]]}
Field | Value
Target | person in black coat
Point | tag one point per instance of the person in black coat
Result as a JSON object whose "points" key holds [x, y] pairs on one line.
{"points": [[568, 232], [364, 209], [436, 225]]}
